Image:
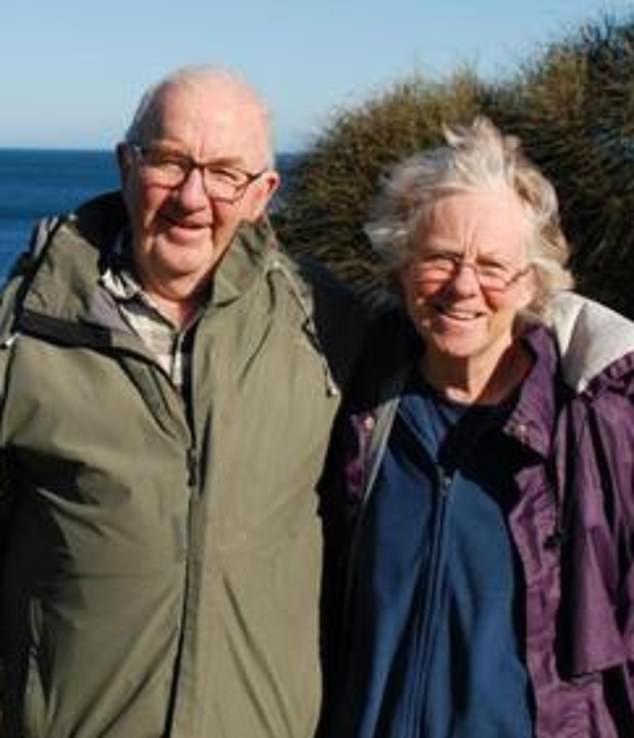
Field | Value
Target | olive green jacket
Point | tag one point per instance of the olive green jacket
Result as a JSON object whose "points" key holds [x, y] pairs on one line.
{"points": [[162, 563]]}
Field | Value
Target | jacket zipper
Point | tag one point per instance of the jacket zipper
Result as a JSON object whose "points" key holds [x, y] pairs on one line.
{"points": [[192, 467], [429, 608], [428, 619]]}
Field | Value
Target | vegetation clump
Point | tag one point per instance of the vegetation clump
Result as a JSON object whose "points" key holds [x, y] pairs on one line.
{"points": [[573, 108], [336, 181]]}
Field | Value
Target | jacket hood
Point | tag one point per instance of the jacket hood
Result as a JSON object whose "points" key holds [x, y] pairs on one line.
{"points": [[63, 282], [591, 338]]}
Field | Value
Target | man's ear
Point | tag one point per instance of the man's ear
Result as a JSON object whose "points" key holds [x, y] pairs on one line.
{"points": [[267, 185]]}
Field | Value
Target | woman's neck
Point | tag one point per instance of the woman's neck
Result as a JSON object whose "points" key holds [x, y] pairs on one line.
{"points": [[471, 381]]}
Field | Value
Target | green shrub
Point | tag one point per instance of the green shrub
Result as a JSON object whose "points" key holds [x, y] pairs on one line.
{"points": [[336, 181], [574, 110]]}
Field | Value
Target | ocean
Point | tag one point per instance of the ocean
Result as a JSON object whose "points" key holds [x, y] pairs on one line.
{"points": [[35, 183]]}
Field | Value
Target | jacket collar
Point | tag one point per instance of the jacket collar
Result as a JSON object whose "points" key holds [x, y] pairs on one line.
{"points": [[247, 256], [588, 349], [591, 338], [66, 282], [533, 421]]}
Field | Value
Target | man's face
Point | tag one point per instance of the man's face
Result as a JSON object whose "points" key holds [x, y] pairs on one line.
{"points": [[462, 319], [179, 233]]}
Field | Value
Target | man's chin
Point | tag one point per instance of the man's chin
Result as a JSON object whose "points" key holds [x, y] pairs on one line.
{"points": [[175, 259]]}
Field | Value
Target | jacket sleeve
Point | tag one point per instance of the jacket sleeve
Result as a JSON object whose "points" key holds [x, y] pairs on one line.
{"points": [[6, 496], [8, 301], [612, 431], [597, 360], [625, 459], [596, 611], [6, 509], [6, 506], [618, 428]]}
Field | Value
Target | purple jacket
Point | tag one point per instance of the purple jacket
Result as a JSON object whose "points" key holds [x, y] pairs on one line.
{"points": [[573, 524]]}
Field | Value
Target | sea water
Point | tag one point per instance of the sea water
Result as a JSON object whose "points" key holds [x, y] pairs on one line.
{"points": [[35, 183]]}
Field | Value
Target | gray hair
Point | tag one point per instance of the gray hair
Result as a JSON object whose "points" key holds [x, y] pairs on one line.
{"points": [[147, 109], [475, 158]]}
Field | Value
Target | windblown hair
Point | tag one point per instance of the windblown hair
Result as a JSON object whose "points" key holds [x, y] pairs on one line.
{"points": [[147, 110], [476, 158]]}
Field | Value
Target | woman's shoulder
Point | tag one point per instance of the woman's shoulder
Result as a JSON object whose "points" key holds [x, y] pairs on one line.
{"points": [[594, 342]]}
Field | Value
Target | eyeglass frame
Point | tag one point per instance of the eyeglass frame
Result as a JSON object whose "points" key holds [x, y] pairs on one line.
{"points": [[458, 263], [140, 152]]}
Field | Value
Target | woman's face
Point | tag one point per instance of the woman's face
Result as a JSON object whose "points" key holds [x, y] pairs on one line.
{"points": [[468, 276]]}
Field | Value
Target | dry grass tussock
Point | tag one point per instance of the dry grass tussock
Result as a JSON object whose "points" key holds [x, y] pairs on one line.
{"points": [[572, 106]]}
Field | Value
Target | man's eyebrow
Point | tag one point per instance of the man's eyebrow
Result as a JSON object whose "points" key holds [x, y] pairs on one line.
{"points": [[226, 161], [231, 160]]}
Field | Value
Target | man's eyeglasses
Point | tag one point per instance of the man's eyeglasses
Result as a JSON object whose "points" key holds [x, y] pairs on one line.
{"points": [[441, 268], [170, 169]]}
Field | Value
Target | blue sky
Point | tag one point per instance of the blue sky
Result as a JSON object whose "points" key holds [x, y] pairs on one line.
{"points": [[73, 70]]}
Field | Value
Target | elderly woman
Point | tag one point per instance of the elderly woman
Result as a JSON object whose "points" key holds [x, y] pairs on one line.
{"points": [[489, 460]]}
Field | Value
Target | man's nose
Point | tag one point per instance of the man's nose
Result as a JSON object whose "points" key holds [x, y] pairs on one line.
{"points": [[192, 193]]}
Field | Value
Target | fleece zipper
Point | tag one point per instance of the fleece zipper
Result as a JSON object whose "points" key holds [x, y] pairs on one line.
{"points": [[428, 606], [429, 612]]}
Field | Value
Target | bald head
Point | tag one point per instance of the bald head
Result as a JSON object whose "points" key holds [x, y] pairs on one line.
{"points": [[217, 87], [208, 125]]}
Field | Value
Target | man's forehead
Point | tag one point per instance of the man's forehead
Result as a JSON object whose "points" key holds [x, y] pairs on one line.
{"points": [[216, 101], [218, 119]]}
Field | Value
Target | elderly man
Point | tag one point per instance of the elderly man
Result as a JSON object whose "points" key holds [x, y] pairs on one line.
{"points": [[170, 379]]}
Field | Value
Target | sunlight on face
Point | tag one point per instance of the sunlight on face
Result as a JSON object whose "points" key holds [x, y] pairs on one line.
{"points": [[459, 320], [180, 234]]}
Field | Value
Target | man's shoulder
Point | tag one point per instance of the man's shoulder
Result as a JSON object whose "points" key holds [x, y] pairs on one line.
{"points": [[330, 310], [95, 222], [324, 294], [100, 219]]}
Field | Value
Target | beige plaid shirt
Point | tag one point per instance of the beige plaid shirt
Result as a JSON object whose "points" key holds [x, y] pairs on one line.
{"points": [[171, 346]]}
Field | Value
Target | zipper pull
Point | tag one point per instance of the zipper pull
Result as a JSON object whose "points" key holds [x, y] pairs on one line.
{"points": [[445, 483], [192, 467], [9, 341]]}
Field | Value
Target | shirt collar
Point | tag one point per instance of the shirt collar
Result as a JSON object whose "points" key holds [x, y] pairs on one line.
{"points": [[119, 280]]}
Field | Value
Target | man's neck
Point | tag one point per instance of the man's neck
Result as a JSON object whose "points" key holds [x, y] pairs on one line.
{"points": [[178, 299], [179, 311]]}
